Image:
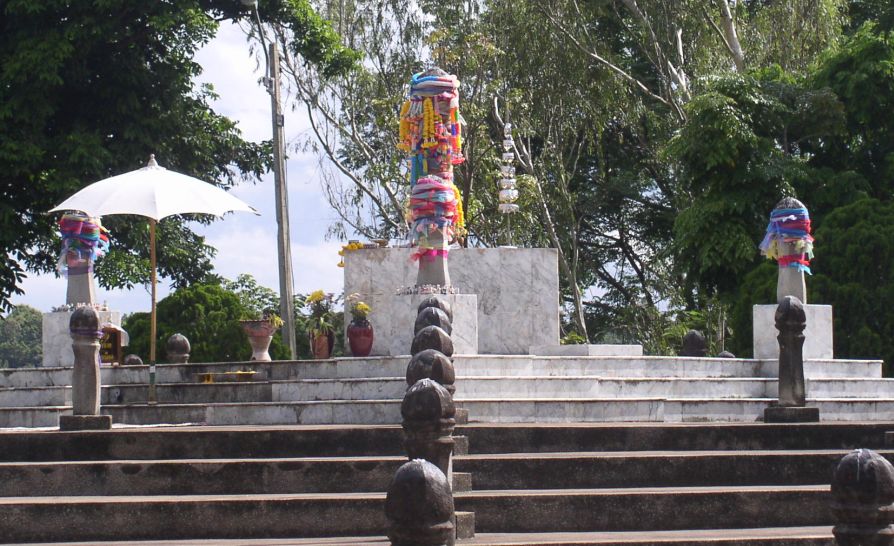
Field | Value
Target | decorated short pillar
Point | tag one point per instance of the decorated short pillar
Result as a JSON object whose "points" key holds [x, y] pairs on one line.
{"points": [[788, 241], [83, 240], [86, 386], [431, 135]]}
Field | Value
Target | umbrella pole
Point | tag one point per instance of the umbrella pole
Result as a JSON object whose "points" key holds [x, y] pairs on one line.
{"points": [[152, 330]]}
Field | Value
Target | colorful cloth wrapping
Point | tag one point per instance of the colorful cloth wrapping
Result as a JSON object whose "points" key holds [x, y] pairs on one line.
{"points": [[431, 135], [83, 240], [789, 226]]}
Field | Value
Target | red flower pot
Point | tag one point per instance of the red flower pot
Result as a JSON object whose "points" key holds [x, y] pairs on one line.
{"points": [[360, 337]]}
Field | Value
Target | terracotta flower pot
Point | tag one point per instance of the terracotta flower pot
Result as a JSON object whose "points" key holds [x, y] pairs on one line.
{"points": [[360, 337], [321, 345], [260, 334]]}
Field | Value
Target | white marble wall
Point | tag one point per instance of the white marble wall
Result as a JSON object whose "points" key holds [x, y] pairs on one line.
{"points": [[56, 339], [394, 317], [817, 334], [517, 289]]}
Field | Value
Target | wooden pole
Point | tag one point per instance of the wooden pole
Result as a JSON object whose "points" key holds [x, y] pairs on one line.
{"points": [[283, 244], [152, 332], [152, 326]]}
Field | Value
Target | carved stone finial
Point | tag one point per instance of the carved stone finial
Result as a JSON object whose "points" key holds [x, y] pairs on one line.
{"points": [[434, 301], [432, 364], [133, 360], [863, 499], [419, 506], [432, 337], [694, 344], [177, 349], [789, 203], [432, 316]]}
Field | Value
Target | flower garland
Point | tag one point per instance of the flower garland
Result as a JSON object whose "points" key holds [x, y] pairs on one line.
{"points": [[355, 245], [431, 134], [789, 226], [83, 240]]}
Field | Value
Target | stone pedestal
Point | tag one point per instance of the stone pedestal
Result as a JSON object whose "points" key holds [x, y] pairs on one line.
{"points": [[791, 414], [56, 340], [393, 318], [817, 335], [85, 422], [517, 289]]}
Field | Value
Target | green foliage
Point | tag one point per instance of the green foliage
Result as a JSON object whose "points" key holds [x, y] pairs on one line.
{"points": [[208, 315], [90, 89], [20, 338], [853, 273]]}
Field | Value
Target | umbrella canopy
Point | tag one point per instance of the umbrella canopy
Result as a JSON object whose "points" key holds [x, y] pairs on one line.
{"points": [[154, 192]]}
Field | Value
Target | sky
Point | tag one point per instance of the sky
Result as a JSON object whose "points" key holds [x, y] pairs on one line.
{"points": [[245, 243]]}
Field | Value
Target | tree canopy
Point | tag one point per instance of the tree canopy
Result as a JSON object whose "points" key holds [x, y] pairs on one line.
{"points": [[89, 89], [20, 338]]}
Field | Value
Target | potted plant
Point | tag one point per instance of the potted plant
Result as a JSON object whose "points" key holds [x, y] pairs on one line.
{"points": [[320, 323], [260, 334], [360, 331]]}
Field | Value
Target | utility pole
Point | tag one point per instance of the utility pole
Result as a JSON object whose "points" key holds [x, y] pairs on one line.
{"points": [[284, 246]]}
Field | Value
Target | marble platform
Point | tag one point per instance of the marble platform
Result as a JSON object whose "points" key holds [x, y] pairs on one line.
{"points": [[817, 334], [56, 341], [517, 289], [587, 350], [393, 318]]}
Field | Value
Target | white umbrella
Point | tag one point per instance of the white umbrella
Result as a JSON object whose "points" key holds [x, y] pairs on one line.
{"points": [[154, 192]]}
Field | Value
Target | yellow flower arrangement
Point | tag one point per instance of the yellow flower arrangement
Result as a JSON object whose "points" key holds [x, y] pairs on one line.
{"points": [[359, 309], [315, 296]]}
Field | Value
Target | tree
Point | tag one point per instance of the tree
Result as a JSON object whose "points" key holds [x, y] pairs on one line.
{"points": [[89, 90], [208, 315], [20, 338]]}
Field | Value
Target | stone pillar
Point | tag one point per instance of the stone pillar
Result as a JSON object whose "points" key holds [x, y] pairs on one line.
{"points": [[86, 386], [785, 246], [428, 421], [177, 349], [80, 287], [791, 321], [433, 269], [431, 135], [419, 506], [863, 500], [432, 337]]}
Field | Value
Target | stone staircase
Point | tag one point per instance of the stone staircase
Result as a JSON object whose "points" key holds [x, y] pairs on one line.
{"points": [[492, 388], [581, 483]]}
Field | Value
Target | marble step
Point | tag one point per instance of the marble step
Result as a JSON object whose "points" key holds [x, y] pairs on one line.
{"points": [[313, 441], [370, 474], [356, 514], [774, 536], [490, 410], [468, 387], [466, 365]]}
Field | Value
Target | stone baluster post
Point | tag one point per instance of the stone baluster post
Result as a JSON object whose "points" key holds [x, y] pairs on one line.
{"points": [[177, 349], [427, 410], [863, 500], [419, 506], [86, 385], [791, 321]]}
